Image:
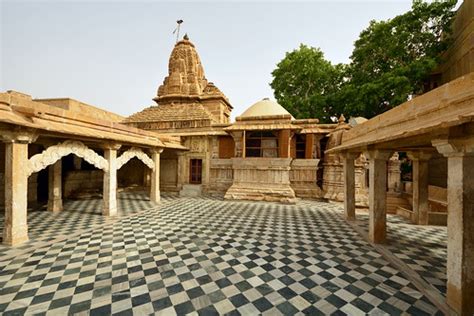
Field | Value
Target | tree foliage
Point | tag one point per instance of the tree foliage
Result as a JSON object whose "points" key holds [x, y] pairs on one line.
{"points": [[303, 81], [390, 62]]}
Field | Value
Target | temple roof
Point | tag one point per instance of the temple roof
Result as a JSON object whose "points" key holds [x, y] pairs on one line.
{"points": [[179, 97], [265, 108], [186, 75], [170, 112]]}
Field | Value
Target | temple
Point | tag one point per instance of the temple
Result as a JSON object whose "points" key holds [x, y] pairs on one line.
{"points": [[266, 155], [186, 145]]}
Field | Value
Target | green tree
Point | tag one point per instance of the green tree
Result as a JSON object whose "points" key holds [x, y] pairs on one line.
{"points": [[304, 81], [392, 59], [390, 62]]}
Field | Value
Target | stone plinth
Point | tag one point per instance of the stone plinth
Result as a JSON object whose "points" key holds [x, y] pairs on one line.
{"points": [[221, 175], [261, 179], [303, 178]]}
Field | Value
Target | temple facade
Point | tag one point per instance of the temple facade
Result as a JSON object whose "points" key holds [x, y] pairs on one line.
{"points": [[266, 154]]}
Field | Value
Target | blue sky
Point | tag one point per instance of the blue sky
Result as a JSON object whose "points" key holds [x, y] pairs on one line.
{"points": [[114, 55]]}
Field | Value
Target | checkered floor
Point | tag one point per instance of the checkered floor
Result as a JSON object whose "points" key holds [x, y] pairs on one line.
{"points": [[422, 248], [211, 257], [78, 215]]}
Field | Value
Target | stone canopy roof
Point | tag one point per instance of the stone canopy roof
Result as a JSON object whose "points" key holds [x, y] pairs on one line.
{"points": [[73, 119], [170, 112], [264, 108]]}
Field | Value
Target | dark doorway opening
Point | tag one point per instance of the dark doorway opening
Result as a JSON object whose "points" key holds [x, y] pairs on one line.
{"points": [[195, 171]]}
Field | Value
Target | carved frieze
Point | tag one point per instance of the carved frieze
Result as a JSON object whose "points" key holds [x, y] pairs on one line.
{"points": [[135, 152], [56, 152]]}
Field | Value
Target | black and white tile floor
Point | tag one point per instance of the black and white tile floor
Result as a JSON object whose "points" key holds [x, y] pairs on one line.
{"points": [[422, 248], [78, 215], [207, 256]]}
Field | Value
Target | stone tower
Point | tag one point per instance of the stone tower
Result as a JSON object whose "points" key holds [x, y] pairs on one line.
{"points": [[185, 99]]}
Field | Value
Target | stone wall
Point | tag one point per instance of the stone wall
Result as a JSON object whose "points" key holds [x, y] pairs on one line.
{"points": [[438, 171], [261, 179], [131, 174], [303, 178], [221, 176], [169, 174], [78, 182], [459, 59]]}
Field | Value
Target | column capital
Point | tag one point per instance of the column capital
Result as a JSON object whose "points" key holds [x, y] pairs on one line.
{"points": [[349, 155], [111, 145], [421, 155], [157, 150], [21, 136], [450, 147], [378, 154]]}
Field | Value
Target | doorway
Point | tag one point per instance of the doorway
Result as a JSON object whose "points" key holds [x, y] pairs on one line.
{"points": [[195, 171]]}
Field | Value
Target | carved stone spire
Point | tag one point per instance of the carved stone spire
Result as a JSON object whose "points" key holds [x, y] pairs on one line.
{"points": [[185, 72]]}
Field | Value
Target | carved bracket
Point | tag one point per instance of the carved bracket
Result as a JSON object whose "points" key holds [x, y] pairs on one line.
{"points": [[135, 152], [56, 152]]}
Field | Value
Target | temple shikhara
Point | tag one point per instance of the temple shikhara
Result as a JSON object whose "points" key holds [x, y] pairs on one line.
{"points": [[187, 146]]}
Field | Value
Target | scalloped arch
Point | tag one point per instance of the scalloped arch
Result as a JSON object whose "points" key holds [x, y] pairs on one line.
{"points": [[135, 152], [56, 152]]}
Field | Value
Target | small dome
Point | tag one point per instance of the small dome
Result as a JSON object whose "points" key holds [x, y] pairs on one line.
{"points": [[265, 107]]}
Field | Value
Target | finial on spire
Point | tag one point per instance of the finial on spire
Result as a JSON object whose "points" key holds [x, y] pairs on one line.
{"points": [[342, 119], [186, 37], [176, 30]]}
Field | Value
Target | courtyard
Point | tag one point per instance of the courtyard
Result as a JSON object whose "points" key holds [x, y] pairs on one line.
{"points": [[210, 256]]}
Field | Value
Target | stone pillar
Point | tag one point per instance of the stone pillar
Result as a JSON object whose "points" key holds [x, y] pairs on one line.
{"points": [[55, 202], [460, 265], [15, 230], [421, 205], [244, 145], [155, 176], [394, 174], [309, 149], [77, 162], [378, 195], [284, 143], [110, 181], [349, 185]]}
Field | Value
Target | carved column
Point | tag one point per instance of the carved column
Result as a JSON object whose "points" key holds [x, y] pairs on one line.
{"points": [[421, 205], [378, 195], [349, 184], [284, 143], [110, 180], [394, 173], [77, 162], [460, 265], [15, 229], [55, 202], [155, 176]]}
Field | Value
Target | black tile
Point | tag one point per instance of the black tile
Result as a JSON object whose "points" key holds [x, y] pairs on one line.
{"points": [[61, 302], [100, 311], [42, 298], [362, 305], [141, 299], [262, 304], [238, 300], [184, 308], [287, 309], [162, 303]]}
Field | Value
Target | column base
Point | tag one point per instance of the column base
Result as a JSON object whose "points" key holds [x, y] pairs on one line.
{"points": [[110, 212], [55, 205], [15, 237]]}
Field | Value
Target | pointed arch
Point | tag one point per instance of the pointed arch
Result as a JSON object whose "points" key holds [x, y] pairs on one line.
{"points": [[56, 152], [135, 152]]}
